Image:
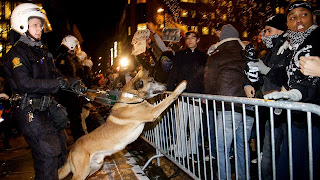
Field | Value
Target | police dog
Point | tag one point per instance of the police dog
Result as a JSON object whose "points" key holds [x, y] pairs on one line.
{"points": [[123, 126]]}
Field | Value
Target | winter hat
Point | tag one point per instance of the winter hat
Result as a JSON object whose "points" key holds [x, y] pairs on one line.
{"points": [[228, 31], [278, 21], [297, 4]]}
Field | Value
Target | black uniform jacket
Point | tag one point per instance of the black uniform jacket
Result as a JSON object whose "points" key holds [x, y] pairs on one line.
{"points": [[30, 70]]}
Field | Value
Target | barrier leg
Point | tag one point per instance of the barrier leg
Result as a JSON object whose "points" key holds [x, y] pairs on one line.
{"points": [[149, 161]]}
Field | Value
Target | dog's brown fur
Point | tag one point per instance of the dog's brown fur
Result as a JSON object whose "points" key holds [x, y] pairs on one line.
{"points": [[123, 126]]}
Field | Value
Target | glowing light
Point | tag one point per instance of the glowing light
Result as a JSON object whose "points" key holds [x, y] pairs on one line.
{"points": [[124, 62], [160, 10]]}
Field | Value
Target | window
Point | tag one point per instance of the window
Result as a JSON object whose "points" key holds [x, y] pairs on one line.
{"points": [[183, 13], [205, 30], [213, 31], [129, 31], [194, 28], [141, 1], [204, 15], [193, 13], [213, 16], [189, 1], [142, 26]]}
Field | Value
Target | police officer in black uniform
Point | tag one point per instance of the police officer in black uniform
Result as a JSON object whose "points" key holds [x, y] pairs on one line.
{"points": [[32, 76], [68, 65]]}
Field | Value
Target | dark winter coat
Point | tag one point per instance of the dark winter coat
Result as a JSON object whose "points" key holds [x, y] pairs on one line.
{"points": [[272, 80], [30, 69], [188, 66], [224, 73]]}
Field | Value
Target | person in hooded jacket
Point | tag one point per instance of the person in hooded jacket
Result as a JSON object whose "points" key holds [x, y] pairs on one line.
{"points": [[34, 80], [224, 75]]}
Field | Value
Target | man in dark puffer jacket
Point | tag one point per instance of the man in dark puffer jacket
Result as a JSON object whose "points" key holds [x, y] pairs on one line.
{"points": [[225, 72]]}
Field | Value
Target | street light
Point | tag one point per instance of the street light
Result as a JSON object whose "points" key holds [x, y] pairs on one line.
{"points": [[161, 10], [124, 62]]}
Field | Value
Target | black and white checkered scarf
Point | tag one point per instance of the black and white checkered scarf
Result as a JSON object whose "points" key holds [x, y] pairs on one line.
{"points": [[268, 40], [297, 38]]}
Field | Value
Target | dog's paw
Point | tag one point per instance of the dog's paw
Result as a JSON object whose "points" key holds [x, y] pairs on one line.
{"points": [[181, 87]]}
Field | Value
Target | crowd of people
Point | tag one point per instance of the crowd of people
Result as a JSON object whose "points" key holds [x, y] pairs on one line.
{"points": [[288, 68], [38, 82]]}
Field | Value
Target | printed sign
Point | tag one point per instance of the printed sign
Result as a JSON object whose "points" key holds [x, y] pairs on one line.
{"points": [[139, 41], [141, 35], [171, 34], [139, 47]]}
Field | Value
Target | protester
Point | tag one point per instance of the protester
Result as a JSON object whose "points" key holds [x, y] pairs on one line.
{"points": [[303, 36], [188, 65], [273, 36], [224, 75], [32, 76]]}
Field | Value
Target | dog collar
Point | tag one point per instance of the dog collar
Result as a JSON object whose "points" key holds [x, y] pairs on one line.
{"points": [[130, 95]]}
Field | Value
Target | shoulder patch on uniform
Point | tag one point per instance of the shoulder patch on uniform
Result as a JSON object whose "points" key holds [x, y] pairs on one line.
{"points": [[16, 62]]}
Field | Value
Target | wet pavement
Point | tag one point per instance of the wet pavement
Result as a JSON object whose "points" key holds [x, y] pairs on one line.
{"points": [[17, 163]]}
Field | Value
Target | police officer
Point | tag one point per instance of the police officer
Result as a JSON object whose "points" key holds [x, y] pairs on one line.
{"points": [[68, 63], [32, 77]]}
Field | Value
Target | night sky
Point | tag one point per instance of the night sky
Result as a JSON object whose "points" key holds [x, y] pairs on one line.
{"points": [[96, 21]]}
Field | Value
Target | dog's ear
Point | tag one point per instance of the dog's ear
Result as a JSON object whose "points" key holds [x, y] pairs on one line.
{"points": [[138, 84], [142, 73]]}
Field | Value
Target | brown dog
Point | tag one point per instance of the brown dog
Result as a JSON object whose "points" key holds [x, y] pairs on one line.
{"points": [[123, 126]]}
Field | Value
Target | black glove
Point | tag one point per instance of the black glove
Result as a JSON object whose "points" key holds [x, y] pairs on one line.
{"points": [[250, 53], [72, 84]]}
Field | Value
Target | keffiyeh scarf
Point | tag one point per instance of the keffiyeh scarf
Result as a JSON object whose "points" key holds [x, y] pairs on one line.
{"points": [[268, 40], [297, 38]]}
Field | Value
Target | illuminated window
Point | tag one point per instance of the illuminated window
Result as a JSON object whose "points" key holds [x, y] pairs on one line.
{"points": [[129, 1], [204, 15], [189, 1], [141, 1], [213, 31], [129, 31], [213, 16], [224, 17], [205, 1], [194, 28], [245, 34], [205, 30], [7, 10], [142, 26], [184, 13], [193, 13]]}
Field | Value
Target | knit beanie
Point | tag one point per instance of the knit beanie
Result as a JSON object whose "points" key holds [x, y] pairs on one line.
{"points": [[297, 4], [278, 21], [228, 31]]}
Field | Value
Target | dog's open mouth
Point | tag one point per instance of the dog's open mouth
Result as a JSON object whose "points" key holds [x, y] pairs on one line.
{"points": [[158, 92]]}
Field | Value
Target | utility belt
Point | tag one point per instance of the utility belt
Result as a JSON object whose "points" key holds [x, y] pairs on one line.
{"points": [[40, 104]]}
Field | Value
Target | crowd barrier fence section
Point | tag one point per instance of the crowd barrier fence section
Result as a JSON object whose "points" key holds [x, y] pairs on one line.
{"points": [[206, 134]]}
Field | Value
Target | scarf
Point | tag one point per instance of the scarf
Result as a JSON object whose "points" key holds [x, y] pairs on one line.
{"points": [[28, 41], [268, 40], [297, 38]]}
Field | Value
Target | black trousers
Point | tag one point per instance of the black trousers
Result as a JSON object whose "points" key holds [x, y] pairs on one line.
{"points": [[48, 144]]}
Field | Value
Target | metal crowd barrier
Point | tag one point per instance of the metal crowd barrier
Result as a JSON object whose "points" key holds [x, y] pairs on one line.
{"points": [[188, 134]]}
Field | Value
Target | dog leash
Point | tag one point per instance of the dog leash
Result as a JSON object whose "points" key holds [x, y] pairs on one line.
{"points": [[98, 91]]}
